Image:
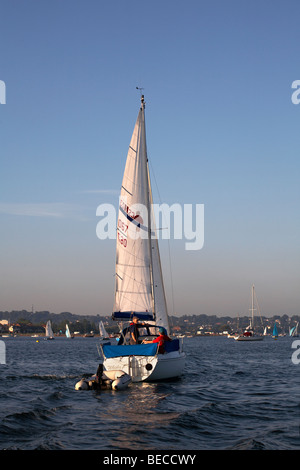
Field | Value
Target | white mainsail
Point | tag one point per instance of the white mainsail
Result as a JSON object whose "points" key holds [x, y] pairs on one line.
{"points": [[68, 334], [139, 286], [102, 331], [49, 332], [294, 330]]}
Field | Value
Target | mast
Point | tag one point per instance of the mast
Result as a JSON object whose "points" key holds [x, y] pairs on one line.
{"points": [[149, 204], [252, 306]]}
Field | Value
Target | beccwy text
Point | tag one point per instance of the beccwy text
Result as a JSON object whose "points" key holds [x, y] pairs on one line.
{"points": [[150, 459]]}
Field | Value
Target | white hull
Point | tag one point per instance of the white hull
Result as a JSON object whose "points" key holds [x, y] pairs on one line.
{"points": [[149, 368], [168, 366], [249, 338]]}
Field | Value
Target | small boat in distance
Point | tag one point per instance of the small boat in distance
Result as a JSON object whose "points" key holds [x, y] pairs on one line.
{"points": [[294, 331], [68, 333], [49, 333], [102, 331], [249, 334], [89, 335], [275, 332]]}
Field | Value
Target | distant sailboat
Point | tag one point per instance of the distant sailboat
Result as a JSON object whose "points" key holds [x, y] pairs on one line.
{"points": [[68, 334], [102, 331], [275, 331], [249, 334], [294, 331], [235, 333], [49, 333]]}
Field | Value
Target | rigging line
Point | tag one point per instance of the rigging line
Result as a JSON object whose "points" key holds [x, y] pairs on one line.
{"points": [[169, 250], [258, 309]]}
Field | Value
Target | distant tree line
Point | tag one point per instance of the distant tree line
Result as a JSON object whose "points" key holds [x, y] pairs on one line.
{"points": [[35, 322]]}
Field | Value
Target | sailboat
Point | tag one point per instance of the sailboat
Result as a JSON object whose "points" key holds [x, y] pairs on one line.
{"points": [[68, 334], [102, 331], [275, 331], [248, 334], [294, 331], [89, 335], [49, 333], [139, 287]]}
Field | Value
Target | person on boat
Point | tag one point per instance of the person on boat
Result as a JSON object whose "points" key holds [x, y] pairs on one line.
{"points": [[97, 383], [160, 340], [134, 330]]}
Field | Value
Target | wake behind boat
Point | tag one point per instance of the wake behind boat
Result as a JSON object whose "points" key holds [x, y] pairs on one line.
{"points": [[139, 288]]}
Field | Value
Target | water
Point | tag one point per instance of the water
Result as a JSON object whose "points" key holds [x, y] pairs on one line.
{"points": [[233, 395]]}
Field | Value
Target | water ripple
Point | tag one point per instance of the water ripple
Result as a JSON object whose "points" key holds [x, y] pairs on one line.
{"points": [[232, 396]]}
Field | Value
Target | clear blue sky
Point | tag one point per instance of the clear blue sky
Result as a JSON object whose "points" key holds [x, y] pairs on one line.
{"points": [[221, 130]]}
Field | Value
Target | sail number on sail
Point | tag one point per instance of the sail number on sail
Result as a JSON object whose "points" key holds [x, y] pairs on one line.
{"points": [[122, 233], [122, 239], [131, 216]]}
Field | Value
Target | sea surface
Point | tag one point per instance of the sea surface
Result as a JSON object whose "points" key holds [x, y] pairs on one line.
{"points": [[233, 395]]}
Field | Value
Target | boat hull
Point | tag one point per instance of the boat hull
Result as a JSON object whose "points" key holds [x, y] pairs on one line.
{"points": [[149, 368], [168, 366], [249, 338]]}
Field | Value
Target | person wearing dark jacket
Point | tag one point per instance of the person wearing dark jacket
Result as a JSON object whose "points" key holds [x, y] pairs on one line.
{"points": [[134, 332]]}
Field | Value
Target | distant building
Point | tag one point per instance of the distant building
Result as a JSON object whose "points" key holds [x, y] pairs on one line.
{"points": [[176, 328]]}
